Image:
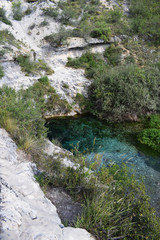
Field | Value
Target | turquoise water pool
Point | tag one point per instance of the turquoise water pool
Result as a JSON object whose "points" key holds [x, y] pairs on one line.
{"points": [[110, 142], [114, 142]]}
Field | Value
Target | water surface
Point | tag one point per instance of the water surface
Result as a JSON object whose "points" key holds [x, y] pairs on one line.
{"points": [[116, 142], [110, 142]]}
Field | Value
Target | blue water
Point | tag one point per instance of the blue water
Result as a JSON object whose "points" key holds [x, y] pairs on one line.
{"points": [[112, 142]]}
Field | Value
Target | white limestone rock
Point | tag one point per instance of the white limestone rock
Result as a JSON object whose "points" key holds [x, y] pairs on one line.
{"points": [[71, 234], [25, 211]]}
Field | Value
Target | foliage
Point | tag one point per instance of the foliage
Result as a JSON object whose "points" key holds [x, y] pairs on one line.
{"points": [[121, 89], [125, 89], [113, 54], [21, 117], [29, 66], [68, 14], [101, 31], [151, 138], [44, 23], [114, 15], [44, 80], [51, 12], [115, 204], [57, 39], [3, 17], [154, 121], [21, 112], [28, 11], [88, 61], [17, 10], [2, 52], [144, 19], [119, 207], [5, 36], [83, 102], [1, 72]]}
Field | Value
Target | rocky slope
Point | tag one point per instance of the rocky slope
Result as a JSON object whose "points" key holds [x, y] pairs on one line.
{"points": [[25, 211], [29, 35]]}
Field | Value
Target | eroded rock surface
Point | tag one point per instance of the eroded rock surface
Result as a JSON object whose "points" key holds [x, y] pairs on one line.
{"points": [[26, 213]]}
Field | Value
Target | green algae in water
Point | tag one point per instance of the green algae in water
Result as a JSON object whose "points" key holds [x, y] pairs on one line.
{"points": [[114, 142]]}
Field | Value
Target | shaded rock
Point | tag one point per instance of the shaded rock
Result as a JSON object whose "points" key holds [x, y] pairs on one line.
{"points": [[67, 209]]}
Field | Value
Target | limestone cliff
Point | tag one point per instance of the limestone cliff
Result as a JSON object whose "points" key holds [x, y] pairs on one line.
{"points": [[25, 211]]}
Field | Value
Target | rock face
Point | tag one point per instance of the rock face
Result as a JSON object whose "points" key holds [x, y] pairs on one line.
{"points": [[29, 34], [25, 211]]}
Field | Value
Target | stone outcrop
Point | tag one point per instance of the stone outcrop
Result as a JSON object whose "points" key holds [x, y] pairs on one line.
{"points": [[26, 213]]}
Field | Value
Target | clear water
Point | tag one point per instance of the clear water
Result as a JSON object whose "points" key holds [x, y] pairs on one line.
{"points": [[110, 142], [113, 142]]}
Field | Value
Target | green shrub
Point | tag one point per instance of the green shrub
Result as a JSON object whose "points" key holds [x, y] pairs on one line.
{"points": [[51, 12], [115, 204], [17, 11], [29, 66], [6, 37], [44, 23], [68, 14], [2, 52], [28, 11], [113, 55], [151, 138], [113, 16], [144, 19], [1, 72], [88, 61], [121, 89], [3, 17], [44, 80], [21, 112], [82, 101], [124, 89], [121, 209], [154, 121], [101, 30], [57, 39]]}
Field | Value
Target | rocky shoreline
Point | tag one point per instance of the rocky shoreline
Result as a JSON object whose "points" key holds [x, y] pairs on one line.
{"points": [[25, 211]]}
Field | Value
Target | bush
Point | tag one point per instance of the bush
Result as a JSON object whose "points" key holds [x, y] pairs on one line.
{"points": [[57, 39], [113, 16], [115, 204], [151, 138], [3, 17], [124, 89], [29, 66], [44, 23], [121, 209], [19, 111], [113, 55], [44, 80], [51, 12], [88, 61], [144, 19], [28, 11], [1, 72], [17, 11], [101, 30], [5, 36], [154, 121], [119, 90]]}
